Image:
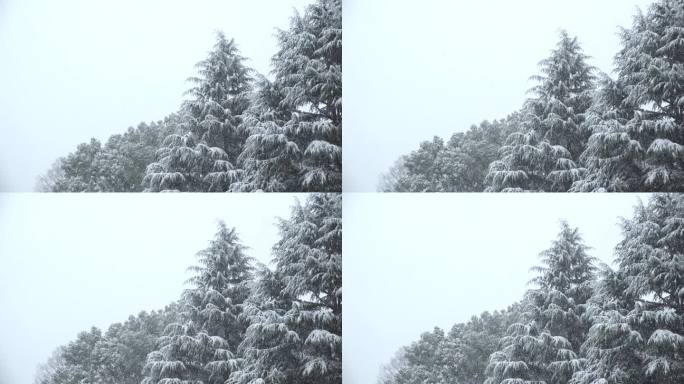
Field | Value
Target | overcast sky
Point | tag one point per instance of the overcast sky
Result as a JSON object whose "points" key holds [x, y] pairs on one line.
{"points": [[76, 69], [413, 70], [416, 261], [68, 262]]}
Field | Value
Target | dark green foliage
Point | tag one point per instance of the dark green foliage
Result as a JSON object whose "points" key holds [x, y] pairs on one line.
{"points": [[237, 132], [650, 67], [617, 326], [543, 156], [295, 312], [202, 157], [233, 324], [544, 346], [627, 135], [613, 160], [201, 346], [637, 334], [296, 125]]}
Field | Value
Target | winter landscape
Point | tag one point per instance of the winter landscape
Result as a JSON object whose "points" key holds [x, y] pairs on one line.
{"points": [[98, 295], [602, 111], [515, 289], [238, 129]]}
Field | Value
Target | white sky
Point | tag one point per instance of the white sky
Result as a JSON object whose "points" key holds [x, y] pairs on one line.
{"points": [[71, 261], [416, 261], [75, 69], [413, 70]]}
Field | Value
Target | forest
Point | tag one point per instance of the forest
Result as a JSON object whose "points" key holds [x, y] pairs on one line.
{"points": [[581, 321], [581, 130], [237, 322], [237, 131]]}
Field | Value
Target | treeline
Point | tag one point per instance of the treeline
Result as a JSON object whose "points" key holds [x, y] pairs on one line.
{"points": [[582, 323], [238, 131], [239, 322], [581, 130]]}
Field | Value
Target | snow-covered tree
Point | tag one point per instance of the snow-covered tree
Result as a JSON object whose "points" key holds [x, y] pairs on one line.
{"points": [[544, 155], [201, 347], [305, 102], [460, 356], [544, 347], [219, 98], [530, 164], [270, 160], [651, 68], [189, 166], [428, 360], [389, 371], [202, 156], [459, 165], [638, 119], [637, 335], [115, 357], [81, 170], [613, 160], [423, 170], [117, 166], [295, 312]]}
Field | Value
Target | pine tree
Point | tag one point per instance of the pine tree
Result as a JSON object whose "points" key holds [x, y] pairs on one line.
{"points": [[544, 348], [219, 98], [270, 160], [544, 155], [202, 157], [295, 313], [637, 334], [613, 160], [202, 346], [612, 348], [187, 165], [651, 68], [307, 92]]}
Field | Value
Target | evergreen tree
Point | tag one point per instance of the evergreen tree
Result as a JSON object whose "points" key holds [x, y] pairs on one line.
{"points": [[219, 98], [305, 100], [428, 360], [116, 166], [651, 68], [457, 357], [202, 346], [81, 170], [115, 357], [423, 170], [637, 334], [270, 159], [544, 347], [189, 166], [613, 160], [460, 165], [543, 156], [203, 155], [295, 313]]}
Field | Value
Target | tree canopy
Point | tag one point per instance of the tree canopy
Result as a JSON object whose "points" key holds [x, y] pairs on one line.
{"points": [[581, 130], [237, 131]]}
